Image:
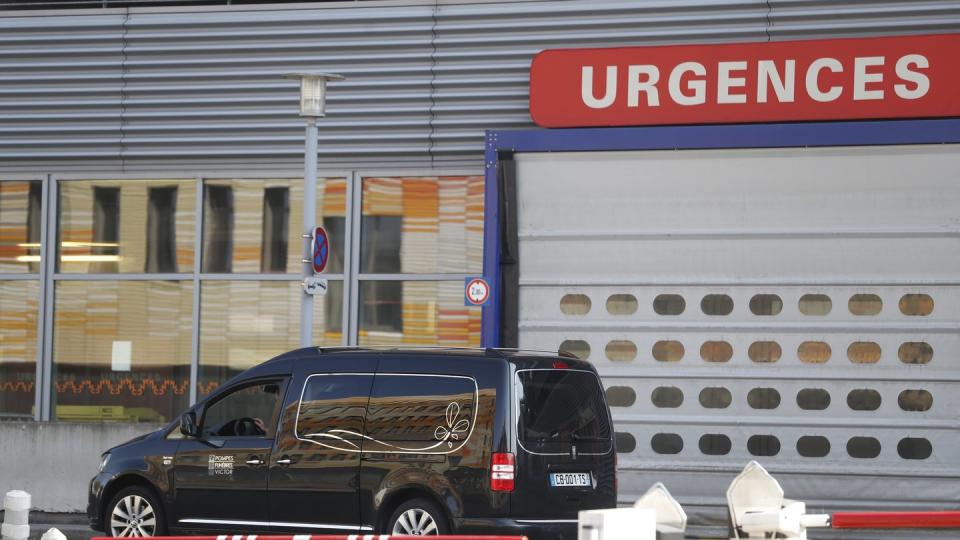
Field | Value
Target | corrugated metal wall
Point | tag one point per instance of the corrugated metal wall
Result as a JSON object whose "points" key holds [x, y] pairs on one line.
{"points": [[166, 89]]}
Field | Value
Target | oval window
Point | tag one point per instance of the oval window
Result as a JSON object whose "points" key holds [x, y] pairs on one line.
{"points": [[576, 347], [863, 447], [621, 396], [865, 304], [916, 305], [914, 448], [864, 352], [763, 445], [716, 351], [715, 398], [813, 399], [813, 446], [864, 400], [669, 304], [715, 444], [915, 352], [814, 352], [816, 305], [764, 352], [716, 304], [624, 442], [667, 397], [763, 398], [915, 400], [575, 304], [766, 304], [621, 351], [622, 304], [668, 351], [666, 443]]}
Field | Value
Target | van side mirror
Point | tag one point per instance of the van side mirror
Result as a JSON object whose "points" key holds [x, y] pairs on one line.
{"points": [[188, 424]]}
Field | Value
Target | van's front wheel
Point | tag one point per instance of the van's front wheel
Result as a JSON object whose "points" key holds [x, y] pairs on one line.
{"points": [[418, 517]]}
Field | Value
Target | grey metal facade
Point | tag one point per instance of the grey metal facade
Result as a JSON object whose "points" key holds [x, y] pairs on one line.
{"points": [[162, 89]]}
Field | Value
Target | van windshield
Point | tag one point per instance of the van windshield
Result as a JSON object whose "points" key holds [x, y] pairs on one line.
{"points": [[559, 405]]}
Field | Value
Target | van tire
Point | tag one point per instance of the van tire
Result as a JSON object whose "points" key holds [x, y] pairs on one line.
{"points": [[407, 517], [150, 519]]}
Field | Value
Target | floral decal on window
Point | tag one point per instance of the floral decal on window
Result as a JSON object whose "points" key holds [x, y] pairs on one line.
{"points": [[455, 427]]}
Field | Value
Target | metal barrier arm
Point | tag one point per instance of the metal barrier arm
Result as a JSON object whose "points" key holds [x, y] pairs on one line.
{"points": [[896, 520], [325, 537]]}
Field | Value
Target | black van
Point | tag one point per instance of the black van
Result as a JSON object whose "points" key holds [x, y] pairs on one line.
{"points": [[364, 441]]}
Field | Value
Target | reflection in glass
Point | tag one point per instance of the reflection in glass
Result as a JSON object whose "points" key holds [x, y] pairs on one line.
{"points": [[254, 225], [422, 225], [245, 323], [20, 215], [18, 347], [417, 313], [121, 350], [128, 226]]}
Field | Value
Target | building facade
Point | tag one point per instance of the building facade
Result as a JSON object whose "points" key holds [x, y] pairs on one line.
{"points": [[151, 188]]}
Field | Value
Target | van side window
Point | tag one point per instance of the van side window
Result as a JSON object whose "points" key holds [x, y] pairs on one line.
{"points": [[429, 413], [332, 409], [250, 411]]}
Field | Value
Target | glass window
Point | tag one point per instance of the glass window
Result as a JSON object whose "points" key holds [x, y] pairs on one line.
{"points": [[576, 347], [625, 442], [128, 226], [716, 351], [916, 305], [814, 352], [667, 397], [622, 304], [121, 350], [18, 347], [864, 400], [417, 312], [244, 323], [429, 413], [716, 304], [763, 398], [865, 304], [863, 447], [246, 412], [666, 443], [766, 304], [621, 396], [915, 352], [864, 352], [716, 397], [621, 350], [914, 448], [916, 399], [813, 446], [20, 218], [715, 444], [669, 304], [337, 404], [813, 399], [422, 225], [764, 352], [763, 445], [815, 304], [254, 225], [575, 304], [561, 406], [668, 351]]}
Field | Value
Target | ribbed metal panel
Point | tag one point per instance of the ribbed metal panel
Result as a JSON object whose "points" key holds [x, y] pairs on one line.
{"points": [[180, 88]]}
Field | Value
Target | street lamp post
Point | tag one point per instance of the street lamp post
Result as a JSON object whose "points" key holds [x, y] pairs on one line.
{"points": [[313, 93]]}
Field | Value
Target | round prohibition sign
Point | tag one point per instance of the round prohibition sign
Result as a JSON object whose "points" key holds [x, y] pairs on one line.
{"points": [[478, 291]]}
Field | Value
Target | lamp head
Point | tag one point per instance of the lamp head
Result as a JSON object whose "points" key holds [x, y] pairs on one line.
{"points": [[313, 92]]}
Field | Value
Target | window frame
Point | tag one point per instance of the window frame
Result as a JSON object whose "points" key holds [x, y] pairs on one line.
{"points": [[282, 380]]}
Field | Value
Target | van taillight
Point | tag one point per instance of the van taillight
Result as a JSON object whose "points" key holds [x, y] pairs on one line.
{"points": [[561, 365], [501, 473]]}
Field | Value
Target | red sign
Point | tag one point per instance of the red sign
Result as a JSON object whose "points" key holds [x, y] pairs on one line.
{"points": [[895, 77], [321, 250]]}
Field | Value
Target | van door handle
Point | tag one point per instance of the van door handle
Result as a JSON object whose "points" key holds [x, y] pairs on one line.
{"points": [[284, 461], [255, 461]]}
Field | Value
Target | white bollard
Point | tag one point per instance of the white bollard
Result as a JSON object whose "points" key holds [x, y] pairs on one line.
{"points": [[617, 524], [53, 534], [16, 511]]}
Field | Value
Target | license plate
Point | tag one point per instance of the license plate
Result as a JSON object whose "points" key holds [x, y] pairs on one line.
{"points": [[576, 479]]}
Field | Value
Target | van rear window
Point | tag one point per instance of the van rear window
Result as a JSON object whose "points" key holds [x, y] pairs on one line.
{"points": [[558, 405]]}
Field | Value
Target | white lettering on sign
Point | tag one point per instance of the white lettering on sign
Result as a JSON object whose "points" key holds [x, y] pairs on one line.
{"points": [[688, 82], [219, 465]]}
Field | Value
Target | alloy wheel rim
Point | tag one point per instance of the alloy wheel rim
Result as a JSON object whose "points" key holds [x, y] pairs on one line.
{"points": [[415, 522], [133, 516]]}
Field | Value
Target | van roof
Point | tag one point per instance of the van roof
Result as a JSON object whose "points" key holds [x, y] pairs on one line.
{"points": [[492, 352]]}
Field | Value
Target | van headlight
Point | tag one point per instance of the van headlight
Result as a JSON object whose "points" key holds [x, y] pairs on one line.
{"points": [[104, 459]]}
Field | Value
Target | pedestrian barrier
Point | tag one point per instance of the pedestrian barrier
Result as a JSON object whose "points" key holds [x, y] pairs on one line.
{"points": [[326, 537], [16, 511], [947, 519]]}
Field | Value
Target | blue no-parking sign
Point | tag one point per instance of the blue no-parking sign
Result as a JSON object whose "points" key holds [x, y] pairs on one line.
{"points": [[321, 250]]}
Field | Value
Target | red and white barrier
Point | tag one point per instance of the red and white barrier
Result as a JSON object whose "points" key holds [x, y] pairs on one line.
{"points": [[325, 537], [896, 520]]}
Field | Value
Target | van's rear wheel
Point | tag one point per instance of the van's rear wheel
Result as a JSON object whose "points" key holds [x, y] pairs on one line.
{"points": [[134, 511], [417, 517]]}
